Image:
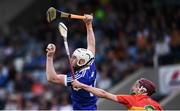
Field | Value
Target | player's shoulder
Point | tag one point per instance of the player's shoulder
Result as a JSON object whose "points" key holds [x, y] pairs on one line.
{"points": [[126, 99], [155, 102], [126, 96], [92, 64], [139, 97], [84, 69]]}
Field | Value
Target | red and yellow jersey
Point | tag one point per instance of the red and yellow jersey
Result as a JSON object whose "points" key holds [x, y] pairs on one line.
{"points": [[138, 102]]}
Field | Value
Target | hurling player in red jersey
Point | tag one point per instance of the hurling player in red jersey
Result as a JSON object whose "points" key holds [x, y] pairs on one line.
{"points": [[139, 99]]}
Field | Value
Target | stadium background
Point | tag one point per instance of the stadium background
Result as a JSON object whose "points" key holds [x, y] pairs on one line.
{"points": [[131, 36]]}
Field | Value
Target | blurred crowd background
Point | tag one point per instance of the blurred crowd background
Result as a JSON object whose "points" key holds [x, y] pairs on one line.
{"points": [[130, 34]]}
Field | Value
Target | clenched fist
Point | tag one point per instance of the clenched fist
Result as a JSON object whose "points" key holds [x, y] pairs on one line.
{"points": [[88, 19], [76, 85], [51, 48]]}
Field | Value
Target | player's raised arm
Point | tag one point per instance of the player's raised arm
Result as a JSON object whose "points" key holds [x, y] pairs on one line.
{"points": [[50, 71], [96, 91], [90, 33]]}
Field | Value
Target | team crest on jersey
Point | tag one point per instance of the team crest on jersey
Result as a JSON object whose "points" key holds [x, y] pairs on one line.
{"points": [[149, 108]]}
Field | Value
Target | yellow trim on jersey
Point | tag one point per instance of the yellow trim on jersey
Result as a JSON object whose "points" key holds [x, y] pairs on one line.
{"points": [[134, 108]]}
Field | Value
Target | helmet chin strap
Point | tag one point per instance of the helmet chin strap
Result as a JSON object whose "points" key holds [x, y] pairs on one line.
{"points": [[76, 68]]}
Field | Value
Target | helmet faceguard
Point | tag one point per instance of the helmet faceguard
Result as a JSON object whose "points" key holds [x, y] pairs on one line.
{"points": [[84, 54]]}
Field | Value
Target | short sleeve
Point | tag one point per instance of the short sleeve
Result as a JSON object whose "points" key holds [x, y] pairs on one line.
{"points": [[126, 99]]}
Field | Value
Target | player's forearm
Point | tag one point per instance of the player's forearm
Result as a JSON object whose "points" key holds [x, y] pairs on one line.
{"points": [[96, 91], [50, 71], [90, 38]]}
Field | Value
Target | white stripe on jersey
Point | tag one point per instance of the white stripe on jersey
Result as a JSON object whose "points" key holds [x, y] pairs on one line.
{"points": [[83, 69], [65, 80], [92, 74], [78, 75], [81, 75]]}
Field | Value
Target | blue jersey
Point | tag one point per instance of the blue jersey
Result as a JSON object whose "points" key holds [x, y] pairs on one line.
{"points": [[83, 100]]}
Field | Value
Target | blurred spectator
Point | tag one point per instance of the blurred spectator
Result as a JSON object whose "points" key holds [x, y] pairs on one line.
{"points": [[103, 81], [65, 105]]}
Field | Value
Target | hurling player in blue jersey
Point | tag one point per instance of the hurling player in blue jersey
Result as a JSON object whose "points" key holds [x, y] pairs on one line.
{"points": [[85, 71]]}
